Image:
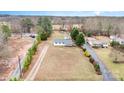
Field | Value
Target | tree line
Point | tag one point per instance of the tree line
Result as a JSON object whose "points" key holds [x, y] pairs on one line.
{"points": [[43, 27]]}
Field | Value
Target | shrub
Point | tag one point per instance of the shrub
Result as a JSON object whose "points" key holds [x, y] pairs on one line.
{"points": [[91, 60], [26, 64], [84, 49], [43, 36], [97, 68], [114, 43], [121, 79], [86, 53], [34, 48], [122, 46], [13, 79], [89, 34], [96, 47], [31, 52], [38, 38]]}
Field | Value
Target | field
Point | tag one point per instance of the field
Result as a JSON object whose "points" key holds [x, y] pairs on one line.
{"points": [[16, 46], [65, 63], [108, 55]]}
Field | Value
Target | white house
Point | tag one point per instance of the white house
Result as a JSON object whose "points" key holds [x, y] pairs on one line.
{"points": [[63, 42]]}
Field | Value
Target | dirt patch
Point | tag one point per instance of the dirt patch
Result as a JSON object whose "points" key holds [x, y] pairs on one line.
{"points": [[16, 46]]}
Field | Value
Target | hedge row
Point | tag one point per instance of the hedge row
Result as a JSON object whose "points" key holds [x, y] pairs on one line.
{"points": [[92, 61], [13, 79], [30, 53]]}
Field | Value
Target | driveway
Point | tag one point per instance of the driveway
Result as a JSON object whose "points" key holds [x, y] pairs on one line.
{"points": [[107, 75]]}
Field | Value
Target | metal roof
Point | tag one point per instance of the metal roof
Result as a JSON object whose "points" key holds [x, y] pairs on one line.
{"points": [[65, 41]]}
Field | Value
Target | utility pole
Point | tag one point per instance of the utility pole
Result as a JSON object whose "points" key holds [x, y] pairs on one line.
{"points": [[19, 63]]}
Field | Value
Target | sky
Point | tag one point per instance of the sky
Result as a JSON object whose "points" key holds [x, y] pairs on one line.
{"points": [[64, 13]]}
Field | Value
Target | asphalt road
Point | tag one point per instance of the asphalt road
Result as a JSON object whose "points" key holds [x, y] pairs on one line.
{"points": [[107, 75]]}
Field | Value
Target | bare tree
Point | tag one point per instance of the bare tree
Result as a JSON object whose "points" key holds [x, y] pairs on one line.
{"points": [[109, 29], [116, 32], [3, 46], [100, 27]]}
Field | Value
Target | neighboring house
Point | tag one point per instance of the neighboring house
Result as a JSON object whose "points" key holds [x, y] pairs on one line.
{"points": [[117, 39], [121, 41], [63, 42], [97, 43]]}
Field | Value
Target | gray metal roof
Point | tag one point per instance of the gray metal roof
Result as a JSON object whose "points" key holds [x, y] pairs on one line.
{"points": [[65, 41]]}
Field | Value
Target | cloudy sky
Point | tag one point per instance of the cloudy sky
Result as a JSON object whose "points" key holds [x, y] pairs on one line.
{"points": [[65, 13]]}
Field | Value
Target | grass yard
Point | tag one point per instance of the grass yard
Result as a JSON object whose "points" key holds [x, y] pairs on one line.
{"points": [[65, 63], [107, 55]]}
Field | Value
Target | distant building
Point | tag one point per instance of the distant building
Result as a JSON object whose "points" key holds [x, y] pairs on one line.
{"points": [[63, 42], [97, 43], [117, 39]]}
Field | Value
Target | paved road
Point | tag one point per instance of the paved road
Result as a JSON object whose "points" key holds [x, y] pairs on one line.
{"points": [[107, 76], [37, 65]]}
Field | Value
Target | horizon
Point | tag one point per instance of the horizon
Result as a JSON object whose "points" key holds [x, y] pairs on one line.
{"points": [[64, 13]]}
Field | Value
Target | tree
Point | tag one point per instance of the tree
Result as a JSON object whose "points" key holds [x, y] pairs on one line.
{"points": [[80, 39], [116, 44], [6, 31], [109, 29], [45, 24], [27, 24], [74, 33], [100, 28], [43, 34], [4, 53], [89, 34], [2, 40], [117, 31]]}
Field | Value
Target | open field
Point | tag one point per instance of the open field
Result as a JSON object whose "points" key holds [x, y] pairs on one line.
{"points": [[16, 47], [107, 55], [65, 63]]}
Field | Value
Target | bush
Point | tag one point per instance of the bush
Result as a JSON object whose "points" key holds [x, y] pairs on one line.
{"points": [[96, 47], [38, 39], [86, 53], [91, 60], [122, 46], [97, 68], [26, 64], [89, 34], [121, 79], [28, 58], [31, 52], [114, 43], [13, 79], [84, 49], [43, 35], [34, 48]]}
